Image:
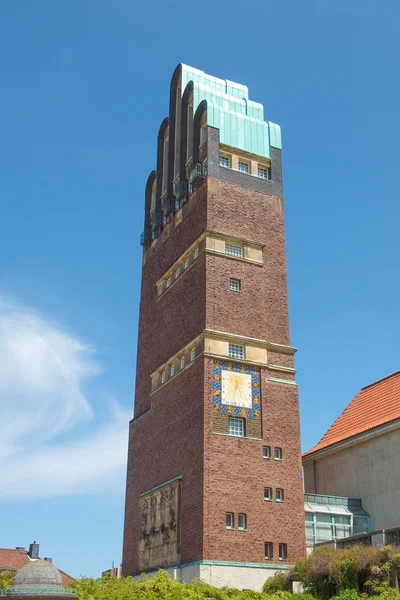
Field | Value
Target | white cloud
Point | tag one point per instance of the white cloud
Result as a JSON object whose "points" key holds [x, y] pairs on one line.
{"points": [[44, 372]]}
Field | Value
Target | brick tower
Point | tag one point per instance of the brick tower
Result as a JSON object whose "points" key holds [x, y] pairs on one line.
{"points": [[214, 487]]}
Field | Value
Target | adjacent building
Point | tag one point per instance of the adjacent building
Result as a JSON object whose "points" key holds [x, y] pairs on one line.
{"points": [[359, 455], [13, 559], [214, 486]]}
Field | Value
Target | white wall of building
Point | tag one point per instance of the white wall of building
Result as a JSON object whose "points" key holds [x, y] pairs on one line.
{"points": [[369, 469], [240, 577]]}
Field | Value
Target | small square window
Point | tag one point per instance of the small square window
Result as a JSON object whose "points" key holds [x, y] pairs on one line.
{"points": [[172, 371], [235, 427], [230, 520], [242, 522], [236, 351], [264, 172], [186, 263], [234, 250], [224, 161], [244, 166], [282, 551], [278, 453], [163, 377], [269, 550], [182, 362], [193, 354], [168, 282], [234, 285], [196, 253], [267, 452], [268, 494], [279, 495], [177, 273]]}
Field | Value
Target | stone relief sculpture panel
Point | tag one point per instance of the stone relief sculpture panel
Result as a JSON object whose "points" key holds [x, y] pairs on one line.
{"points": [[159, 539]]}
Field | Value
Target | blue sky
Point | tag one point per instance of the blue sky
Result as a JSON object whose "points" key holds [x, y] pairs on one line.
{"points": [[84, 90]]}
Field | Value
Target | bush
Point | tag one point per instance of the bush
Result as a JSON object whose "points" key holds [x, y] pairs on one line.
{"points": [[276, 583], [346, 573]]}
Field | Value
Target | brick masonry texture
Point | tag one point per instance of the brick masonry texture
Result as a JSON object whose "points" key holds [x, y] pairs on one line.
{"points": [[173, 430]]}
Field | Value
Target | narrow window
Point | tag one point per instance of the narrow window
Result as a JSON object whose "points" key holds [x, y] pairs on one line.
{"points": [[203, 128], [278, 453], [224, 161], [186, 263], [268, 494], [234, 285], [236, 351], [165, 163], [196, 253], [178, 272], [235, 427], [243, 166], [282, 551], [172, 370], [168, 282], [268, 550], [242, 522], [230, 520], [189, 128], [279, 495], [264, 172], [234, 250], [193, 354], [267, 452], [182, 362], [163, 377]]}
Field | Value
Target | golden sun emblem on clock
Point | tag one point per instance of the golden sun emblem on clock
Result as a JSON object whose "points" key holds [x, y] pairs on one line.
{"points": [[236, 389]]}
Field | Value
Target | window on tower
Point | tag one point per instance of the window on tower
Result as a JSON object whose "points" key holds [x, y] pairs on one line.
{"points": [[234, 285], [269, 550], [268, 494], [278, 453], [230, 520], [236, 351], [279, 495], [282, 551], [264, 172], [267, 452], [224, 161], [236, 427], [234, 250], [244, 166], [242, 522]]}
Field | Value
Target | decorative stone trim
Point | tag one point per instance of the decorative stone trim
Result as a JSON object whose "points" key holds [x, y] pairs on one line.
{"points": [[213, 242], [215, 344]]}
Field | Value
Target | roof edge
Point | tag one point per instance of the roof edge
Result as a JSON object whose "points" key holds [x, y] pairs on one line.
{"points": [[379, 380], [350, 438]]}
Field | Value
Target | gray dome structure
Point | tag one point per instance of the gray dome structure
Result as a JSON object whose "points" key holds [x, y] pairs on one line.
{"points": [[38, 578]]}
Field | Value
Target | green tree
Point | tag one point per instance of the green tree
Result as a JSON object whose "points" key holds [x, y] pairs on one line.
{"points": [[6, 579]]}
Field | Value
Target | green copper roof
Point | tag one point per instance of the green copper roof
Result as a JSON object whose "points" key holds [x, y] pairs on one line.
{"points": [[239, 120], [38, 578]]}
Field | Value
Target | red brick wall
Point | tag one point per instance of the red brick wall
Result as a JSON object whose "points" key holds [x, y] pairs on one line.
{"points": [[175, 437], [236, 474]]}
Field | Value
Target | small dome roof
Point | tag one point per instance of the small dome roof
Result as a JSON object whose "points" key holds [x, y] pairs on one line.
{"points": [[38, 577]]}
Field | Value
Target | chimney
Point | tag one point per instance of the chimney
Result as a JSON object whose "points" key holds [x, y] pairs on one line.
{"points": [[33, 551], [50, 560]]}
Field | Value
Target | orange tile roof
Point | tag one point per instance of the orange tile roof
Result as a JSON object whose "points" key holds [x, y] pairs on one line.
{"points": [[375, 405], [11, 557]]}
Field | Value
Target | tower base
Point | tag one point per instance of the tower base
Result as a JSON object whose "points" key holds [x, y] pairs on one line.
{"points": [[250, 576]]}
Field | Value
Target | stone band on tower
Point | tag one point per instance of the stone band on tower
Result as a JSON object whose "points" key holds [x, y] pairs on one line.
{"points": [[214, 486]]}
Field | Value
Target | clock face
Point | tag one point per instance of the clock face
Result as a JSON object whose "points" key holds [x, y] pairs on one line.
{"points": [[236, 389]]}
